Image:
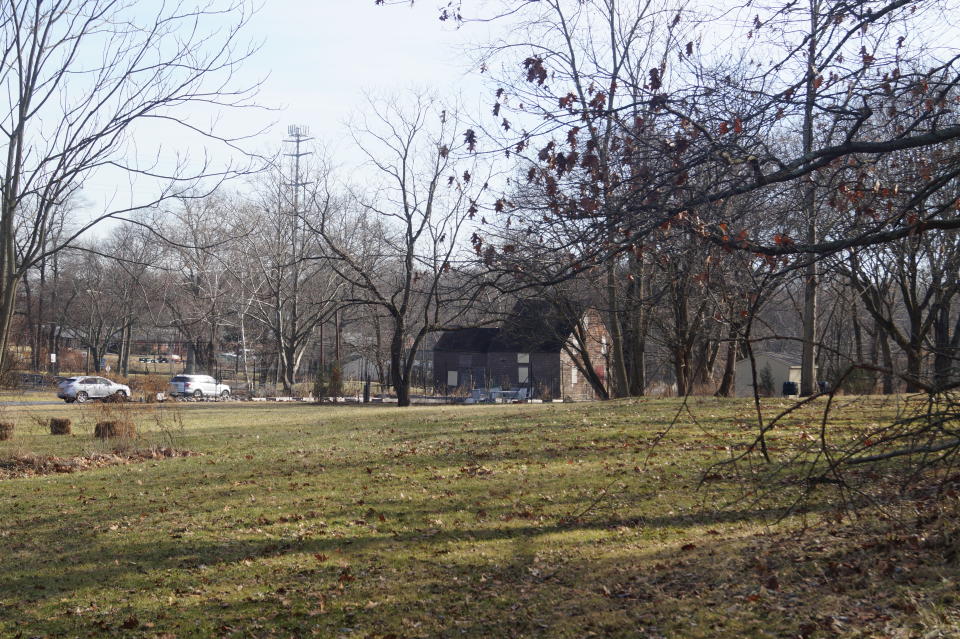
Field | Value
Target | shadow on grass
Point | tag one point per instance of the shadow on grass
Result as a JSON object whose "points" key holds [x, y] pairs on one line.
{"points": [[780, 583]]}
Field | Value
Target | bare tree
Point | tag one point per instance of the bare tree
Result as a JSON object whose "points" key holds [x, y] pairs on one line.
{"points": [[290, 284], [79, 76], [398, 249], [198, 286]]}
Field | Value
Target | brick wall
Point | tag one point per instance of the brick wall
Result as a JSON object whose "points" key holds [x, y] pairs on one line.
{"points": [[574, 385]]}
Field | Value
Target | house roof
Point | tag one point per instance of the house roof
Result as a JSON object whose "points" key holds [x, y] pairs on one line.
{"points": [[534, 326], [466, 340]]}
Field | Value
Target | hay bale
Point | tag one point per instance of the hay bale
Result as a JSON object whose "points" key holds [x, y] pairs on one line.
{"points": [[114, 428], [59, 426], [6, 430]]}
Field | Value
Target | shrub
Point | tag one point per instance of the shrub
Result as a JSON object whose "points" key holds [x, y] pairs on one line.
{"points": [[302, 389], [335, 382], [115, 428], [320, 384], [859, 382], [765, 384], [147, 385], [70, 360], [544, 392], [59, 426], [9, 377], [6, 431]]}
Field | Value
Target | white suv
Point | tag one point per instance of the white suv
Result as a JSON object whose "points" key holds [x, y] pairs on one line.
{"points": [[198, 387], [81, 389]]}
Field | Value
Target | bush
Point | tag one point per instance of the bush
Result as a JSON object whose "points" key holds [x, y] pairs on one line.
{"points": [[6, 431], [147, 385], [302, 389], [320, 384], [858, 382], [335, 381], [765, 384], [9, 377], [59, 426], [70, 360]]}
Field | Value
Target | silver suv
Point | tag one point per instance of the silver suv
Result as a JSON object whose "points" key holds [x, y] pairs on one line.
{"points": [[197, 387], [81, 389]]}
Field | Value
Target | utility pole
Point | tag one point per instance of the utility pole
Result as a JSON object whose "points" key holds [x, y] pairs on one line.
{"points": [[298, 135]]}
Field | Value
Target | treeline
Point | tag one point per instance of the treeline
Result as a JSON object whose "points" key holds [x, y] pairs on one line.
{"points": [[716, 182]]}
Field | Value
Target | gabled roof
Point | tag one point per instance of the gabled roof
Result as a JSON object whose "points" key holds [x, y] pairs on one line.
{"points": [[466, 340], [534, 326]]}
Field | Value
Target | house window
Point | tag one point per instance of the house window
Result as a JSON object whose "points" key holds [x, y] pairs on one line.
{"points": [[603, 345], [523, 358], [523, 374], [452, 378], [573, 374]]}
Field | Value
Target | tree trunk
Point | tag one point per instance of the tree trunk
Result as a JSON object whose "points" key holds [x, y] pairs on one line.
{"points": [[125, 349], [944, 359], [618, 369], [636, 349], [8, 300], [728, 382], [914, 367], [288, 360], [681, 369], [808, 373], [399, 376]]}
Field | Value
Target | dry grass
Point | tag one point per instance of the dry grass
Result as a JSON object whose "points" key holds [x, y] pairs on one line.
{"points": [[489, 521]]}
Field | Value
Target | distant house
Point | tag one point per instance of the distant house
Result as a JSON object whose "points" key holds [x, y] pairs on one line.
{"points": [[773, 369], [535, 349]]}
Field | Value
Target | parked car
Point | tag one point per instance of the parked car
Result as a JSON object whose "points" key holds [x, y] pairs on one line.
{"points": [[82, 389], [198, 387]]}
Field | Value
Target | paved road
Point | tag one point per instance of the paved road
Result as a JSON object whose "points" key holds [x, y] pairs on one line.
{"points": [[38, 402]]}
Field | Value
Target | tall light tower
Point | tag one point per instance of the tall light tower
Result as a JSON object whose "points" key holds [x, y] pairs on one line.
{"points": [[297, 136]]}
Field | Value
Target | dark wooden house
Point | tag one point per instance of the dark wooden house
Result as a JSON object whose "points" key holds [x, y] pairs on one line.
{"points": [[537, 348]]}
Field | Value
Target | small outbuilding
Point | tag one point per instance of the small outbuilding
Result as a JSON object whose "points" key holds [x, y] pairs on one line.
{"points": [[773, 370]]}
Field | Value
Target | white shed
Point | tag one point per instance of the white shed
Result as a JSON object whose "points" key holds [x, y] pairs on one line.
{"points": [[773, 369]]}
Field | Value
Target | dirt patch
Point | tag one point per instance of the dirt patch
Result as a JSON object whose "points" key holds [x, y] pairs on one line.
{"points": [[20, 466]]}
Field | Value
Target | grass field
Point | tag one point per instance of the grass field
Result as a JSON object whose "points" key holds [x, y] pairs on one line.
{"points": [[489, 521]]}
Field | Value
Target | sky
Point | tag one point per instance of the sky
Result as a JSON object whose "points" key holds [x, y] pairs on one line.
{"points": [[320, 59], [316, 60]]}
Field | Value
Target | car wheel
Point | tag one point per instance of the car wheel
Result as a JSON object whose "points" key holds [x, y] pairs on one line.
{"points": [[82, 397], [198, 394], [225, 395], [121, 395]]}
